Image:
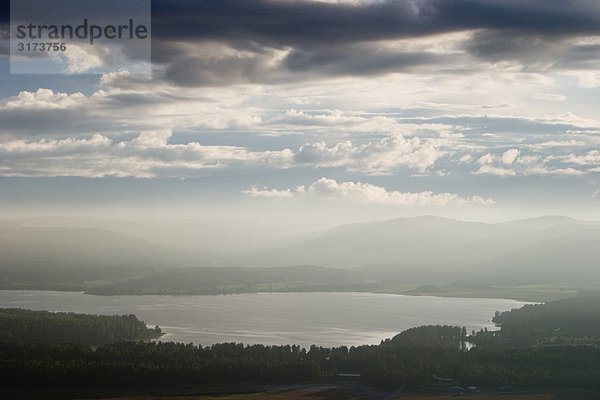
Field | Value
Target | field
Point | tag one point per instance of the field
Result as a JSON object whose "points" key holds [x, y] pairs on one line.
{"points": [[340, 391]]}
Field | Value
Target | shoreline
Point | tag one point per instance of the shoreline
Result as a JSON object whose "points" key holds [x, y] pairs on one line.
{"points": [[507, 295]]}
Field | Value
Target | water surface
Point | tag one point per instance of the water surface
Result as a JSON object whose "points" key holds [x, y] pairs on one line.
{"points": [[327, 319]]}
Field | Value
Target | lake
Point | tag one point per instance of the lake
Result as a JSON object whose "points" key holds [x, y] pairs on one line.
{"points": [[327, 319]]}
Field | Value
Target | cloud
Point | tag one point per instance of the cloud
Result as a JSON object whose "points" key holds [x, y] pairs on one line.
{"points": [[591, 159], [373, 60], [544, 50], [510, 156], [381, 157], [42, 99], [80, 59], [324, 118], [128, 103], [120, 110], [366, 193], [349, 122], [200, 66], [281, 41], [151, 155], [512, 163], [549, 97], [559, 143], [268, 193], [146, 156], [467, 158], [586, 79], [308, 23], [232, 42], [492, 170]]}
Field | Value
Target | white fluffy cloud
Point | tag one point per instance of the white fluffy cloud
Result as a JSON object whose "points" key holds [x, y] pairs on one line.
{"points": [[591, 158], [512, 163], [81, 59], [510, 156], [49, 133], [489, 164], [366, 193], [151, 155], [148, 155], [380, 157], [49, 113], [156, 154], [42, 99], [255, 191]]}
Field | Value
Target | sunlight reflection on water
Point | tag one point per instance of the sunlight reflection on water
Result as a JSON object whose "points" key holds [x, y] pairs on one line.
{"points": [[327, 319]]}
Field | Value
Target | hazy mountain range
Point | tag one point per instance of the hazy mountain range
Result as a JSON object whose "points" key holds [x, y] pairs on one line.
{"points": [[421, 249]]}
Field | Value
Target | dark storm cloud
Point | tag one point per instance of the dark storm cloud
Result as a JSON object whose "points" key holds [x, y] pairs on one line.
{"points": [[4, 11], [333, 39], [307, 23], [535, 49], [512, 46], [580, 57], [300, 23], [200, 71], [359, 60]]}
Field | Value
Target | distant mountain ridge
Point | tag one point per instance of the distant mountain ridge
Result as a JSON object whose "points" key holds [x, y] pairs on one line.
{"points": [[403, 240], [83, 246], [417, 249], [546, 222]]}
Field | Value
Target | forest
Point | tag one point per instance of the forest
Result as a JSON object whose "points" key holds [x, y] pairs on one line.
{"points": [[573, 320], [130, 365], [18, 325], [549, 358]]}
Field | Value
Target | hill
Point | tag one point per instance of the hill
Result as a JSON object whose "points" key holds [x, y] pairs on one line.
{"points": [[239, 280], [68, 258], [448, 257], [402, 240]]}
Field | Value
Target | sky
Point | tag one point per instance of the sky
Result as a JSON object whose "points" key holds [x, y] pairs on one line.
{"points": [[318, 112]]}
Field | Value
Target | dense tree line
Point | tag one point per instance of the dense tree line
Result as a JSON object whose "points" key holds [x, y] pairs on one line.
{"points": [[431, 335], [18, 325], [574, 320], [410, 360], [148, 364]]}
